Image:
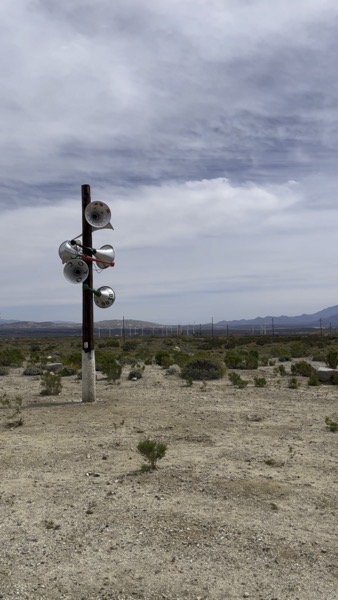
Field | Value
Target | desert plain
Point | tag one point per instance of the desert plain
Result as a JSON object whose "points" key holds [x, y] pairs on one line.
{"points": [[243, 504]]}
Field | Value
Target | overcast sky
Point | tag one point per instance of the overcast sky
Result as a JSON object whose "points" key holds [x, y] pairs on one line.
{"points": [[210, 128]]}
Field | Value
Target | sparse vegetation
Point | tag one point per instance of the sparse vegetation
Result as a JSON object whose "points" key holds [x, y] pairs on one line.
{"points": [[110, 366], [331, 425], [13, 415], [331, 358], [237, 380], [202, 369], [260, 382], [32, 371], [302, 368], [152, 451], [51, 384], [313, 379], [293, 383]]}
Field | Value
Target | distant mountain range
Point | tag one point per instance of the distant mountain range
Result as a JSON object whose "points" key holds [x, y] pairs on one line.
{"points": [[328, 317], [324, 318]]}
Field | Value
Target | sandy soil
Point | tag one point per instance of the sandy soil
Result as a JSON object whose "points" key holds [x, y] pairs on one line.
{"points": [[80, 521]]}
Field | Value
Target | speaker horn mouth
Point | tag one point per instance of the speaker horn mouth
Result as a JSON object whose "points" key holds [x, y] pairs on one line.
{"points": [[97, 214]]}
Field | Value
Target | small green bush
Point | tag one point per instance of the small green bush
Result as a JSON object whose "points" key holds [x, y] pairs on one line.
{"points": [[32, 371], [331, 425], [260, 382], [280, 370], [242, 359], [202, 369], [163, 359], [313, 379], [11, 357], [13, 417], [331, 358], [302, 368], [293, 383], [68, 372], [334, 379], [4, 371], [51, 383], [152, 451], [237, 380], [129, 345], [110, 367]]}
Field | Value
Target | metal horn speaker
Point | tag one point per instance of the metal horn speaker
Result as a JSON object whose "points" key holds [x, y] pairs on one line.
{"points": [[104, 297], [76, 271], [97, 214], [105, 256], [68, 251]]}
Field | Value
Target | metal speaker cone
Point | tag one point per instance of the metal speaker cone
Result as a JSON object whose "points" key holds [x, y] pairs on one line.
{"points": [[69, 251], [76, 271], [106, 297], [106, 254], [97, 214]]}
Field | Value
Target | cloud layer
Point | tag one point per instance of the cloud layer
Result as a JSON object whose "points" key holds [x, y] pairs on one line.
{"points": [[211, 130]]}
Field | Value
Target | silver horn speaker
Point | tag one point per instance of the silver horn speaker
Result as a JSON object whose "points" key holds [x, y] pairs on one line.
{"points": [[105, 256], [68, 251], [104, 297], [76, 271], [97, 214]]}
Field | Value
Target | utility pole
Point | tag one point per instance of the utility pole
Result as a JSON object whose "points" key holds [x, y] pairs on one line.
{"points": [[88, 352]]}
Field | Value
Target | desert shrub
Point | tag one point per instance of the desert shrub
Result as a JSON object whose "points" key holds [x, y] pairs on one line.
{"points": [[129, 345], [299, 349], [313, 379], [110, 367], [280, 370], [263, 361], [32, 371], [51, 383], [334, 379], [110, 343], [232, 359], [163, 359], [4, 371], [293, 383], [11, 357], [283, 358], [331, 425], [260, 381], [73, 360], [35, 348], [181, 358], [302, 368], [135, 374], [202, 369], [242, 359], [331, 358], [152, 451], [319, 357], [237, 380], [13, 416], [68, 371]]}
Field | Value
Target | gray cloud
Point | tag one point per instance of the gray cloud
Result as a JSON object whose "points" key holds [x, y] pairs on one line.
{"points": [[153, 104]]}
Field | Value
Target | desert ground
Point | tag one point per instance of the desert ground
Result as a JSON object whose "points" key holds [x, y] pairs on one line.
{"points": [[243, 505]]}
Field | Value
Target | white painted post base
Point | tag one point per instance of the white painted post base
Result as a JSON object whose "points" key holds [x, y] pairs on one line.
{"points": [[88, 377]]}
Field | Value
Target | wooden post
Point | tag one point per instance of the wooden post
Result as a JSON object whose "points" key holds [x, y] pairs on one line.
{"points": [[88, 352]]}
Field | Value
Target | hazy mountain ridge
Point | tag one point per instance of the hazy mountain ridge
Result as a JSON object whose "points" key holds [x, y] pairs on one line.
{"points": [[325, 318]]}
